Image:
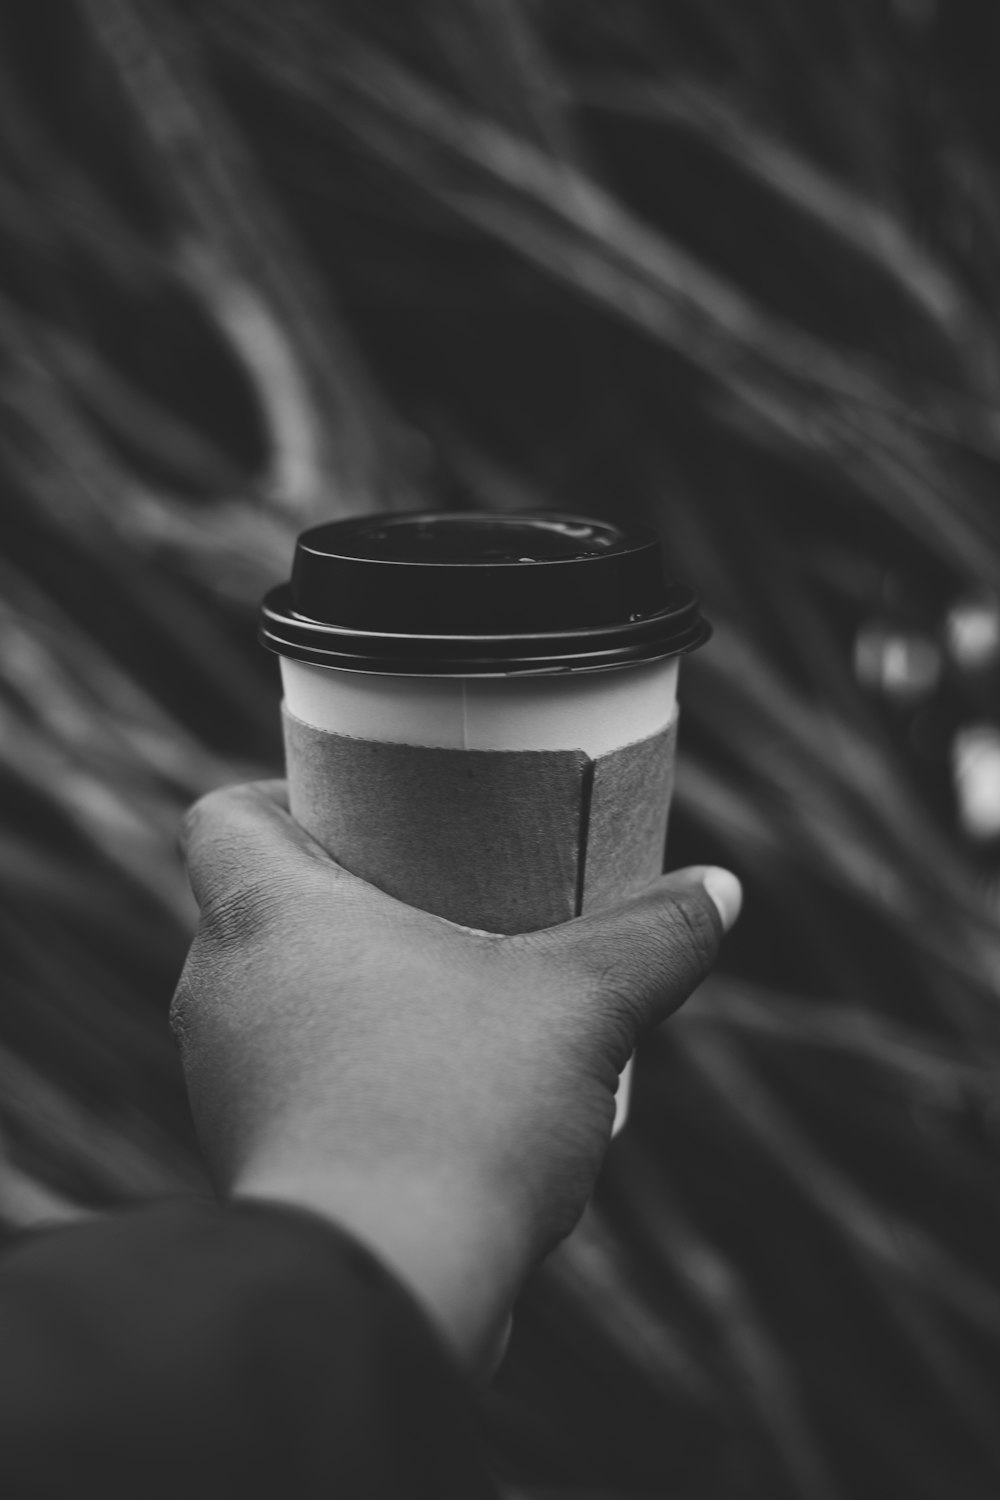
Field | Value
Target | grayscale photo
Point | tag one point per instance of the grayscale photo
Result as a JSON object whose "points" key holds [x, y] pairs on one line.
{"points": [[500, 750]]}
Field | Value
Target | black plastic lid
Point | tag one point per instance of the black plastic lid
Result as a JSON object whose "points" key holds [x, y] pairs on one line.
{"points": [[472, 594]]}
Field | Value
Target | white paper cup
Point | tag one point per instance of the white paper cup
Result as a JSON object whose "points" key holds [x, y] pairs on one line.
{"points": [[382, 644], [596, 712]]}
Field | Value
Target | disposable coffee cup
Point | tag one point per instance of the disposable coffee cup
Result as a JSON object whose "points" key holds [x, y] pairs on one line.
{"points": [[480, 711]]}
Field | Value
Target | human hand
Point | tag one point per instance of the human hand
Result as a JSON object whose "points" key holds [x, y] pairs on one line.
{"points": [[445, 1094]]}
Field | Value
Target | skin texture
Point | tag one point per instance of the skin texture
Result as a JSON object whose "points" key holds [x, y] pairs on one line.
{"points": [[445, 1094]]}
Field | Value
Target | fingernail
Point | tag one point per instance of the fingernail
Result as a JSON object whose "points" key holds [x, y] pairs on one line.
{"points": [[727, 893]]}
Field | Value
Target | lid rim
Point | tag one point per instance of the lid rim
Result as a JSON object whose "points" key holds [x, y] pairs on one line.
{"points": [[469, 656], [273, 607], [563, 666]]}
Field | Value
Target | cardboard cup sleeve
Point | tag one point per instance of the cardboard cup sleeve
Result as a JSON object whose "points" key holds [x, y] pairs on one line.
{"points": [[500, 840], [503, 840]]}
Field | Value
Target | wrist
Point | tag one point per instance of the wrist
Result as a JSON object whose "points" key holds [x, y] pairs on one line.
{"points": [[455, 1247]]}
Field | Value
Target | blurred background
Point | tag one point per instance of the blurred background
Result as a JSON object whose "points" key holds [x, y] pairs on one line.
{"points": [[730, 268]]}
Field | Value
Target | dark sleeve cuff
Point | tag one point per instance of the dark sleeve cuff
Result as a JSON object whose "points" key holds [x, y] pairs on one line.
{"points": [[192, 1351]]}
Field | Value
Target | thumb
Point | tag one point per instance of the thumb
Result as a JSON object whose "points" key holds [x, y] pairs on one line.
{"points": [[640, 961]]}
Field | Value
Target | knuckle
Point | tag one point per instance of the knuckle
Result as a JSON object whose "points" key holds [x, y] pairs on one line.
{"points": [[212, 811], [239, 914], [193, 820]]}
